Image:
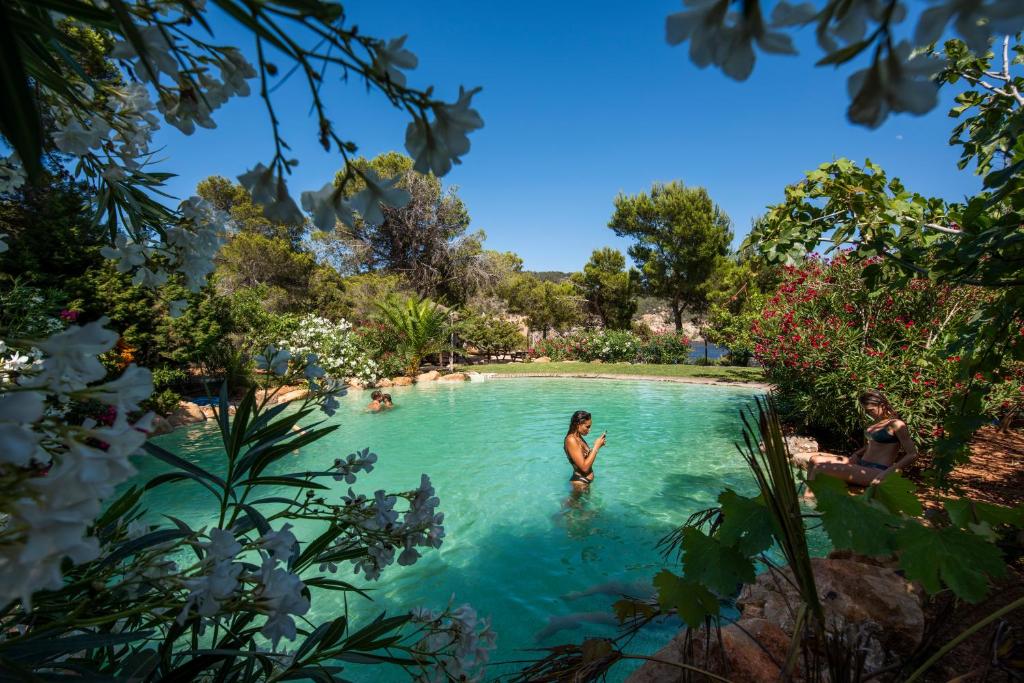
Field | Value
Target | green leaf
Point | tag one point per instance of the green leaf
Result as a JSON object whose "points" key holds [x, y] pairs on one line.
{"points": [[898, 495], [961, 560], [19, 117], [710, 562], [965, 512], [283, 481], [853, 522], [692, 601], [746, 523]]}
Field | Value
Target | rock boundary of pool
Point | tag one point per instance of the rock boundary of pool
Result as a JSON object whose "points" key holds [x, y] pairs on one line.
{"points": [[644, 378]]}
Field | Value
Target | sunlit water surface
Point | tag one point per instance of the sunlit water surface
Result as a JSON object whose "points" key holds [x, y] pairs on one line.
{"points": [[494, 453]]}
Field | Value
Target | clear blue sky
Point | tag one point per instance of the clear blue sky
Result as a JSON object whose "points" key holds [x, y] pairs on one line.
{"points": [[582, 101]]}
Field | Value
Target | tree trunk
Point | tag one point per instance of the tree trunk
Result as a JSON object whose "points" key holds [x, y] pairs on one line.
{"points": [[677, 313]]}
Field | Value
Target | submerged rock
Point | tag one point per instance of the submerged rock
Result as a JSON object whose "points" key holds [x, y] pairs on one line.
{"points": [[746, 653]]}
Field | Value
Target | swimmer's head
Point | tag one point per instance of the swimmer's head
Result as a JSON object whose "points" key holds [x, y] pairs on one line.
{"points": [[579, 423], [377, 395]]}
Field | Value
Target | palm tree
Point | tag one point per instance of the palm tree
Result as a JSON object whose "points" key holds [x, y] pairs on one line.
{"points": [[419, 325]]}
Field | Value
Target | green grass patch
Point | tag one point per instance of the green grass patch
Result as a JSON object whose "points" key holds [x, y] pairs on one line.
{"points": [[727, 373]]}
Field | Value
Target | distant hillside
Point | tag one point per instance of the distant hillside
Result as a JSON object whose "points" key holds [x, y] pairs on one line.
{"points": [[550, 275]]}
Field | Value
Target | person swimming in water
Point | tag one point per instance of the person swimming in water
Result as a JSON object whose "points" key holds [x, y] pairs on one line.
{"points": [[886, 437], [386, 402], [581, 456], [375, 401]]}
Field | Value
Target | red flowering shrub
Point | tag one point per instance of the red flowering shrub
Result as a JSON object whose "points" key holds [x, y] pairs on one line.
{"points": [[825, 336]]}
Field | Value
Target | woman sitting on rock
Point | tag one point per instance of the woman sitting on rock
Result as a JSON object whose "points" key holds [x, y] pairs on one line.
{"points": [[879, 457]]}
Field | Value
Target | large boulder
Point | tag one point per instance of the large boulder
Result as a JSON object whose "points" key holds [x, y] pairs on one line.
{"points": [[401, 381], [161, 425], [454, 377], [744, 654], [427, 376], [542, 359], [293, 395], [384, 383], [856, 596], [353, 383], [190, 412]]}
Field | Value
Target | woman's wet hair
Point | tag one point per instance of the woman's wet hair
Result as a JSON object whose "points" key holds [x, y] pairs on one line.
{"points": [[377, 395], [873, 397], [578, 417]]}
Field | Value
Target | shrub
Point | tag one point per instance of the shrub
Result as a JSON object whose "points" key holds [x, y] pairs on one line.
{"points": [[616, 346], [164, 403], [335, 347], [826, 336], [490, 334]]}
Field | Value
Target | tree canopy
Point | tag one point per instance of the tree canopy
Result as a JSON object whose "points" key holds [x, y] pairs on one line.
{"points": [[679, 236], [609, 289]]}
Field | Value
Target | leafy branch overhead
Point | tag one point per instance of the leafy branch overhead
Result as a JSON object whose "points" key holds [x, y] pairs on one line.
{"points": [[92, 81], [901, 75]]}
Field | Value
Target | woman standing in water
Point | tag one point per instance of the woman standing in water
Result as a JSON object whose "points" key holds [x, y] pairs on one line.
{"points": [[581, 456], [880, 456]]}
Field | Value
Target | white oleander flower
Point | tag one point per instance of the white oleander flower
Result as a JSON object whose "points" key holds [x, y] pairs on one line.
{"points": [[75, 138], [177, 307], [158, 53], [71, 360], [368, 201], [127, 392], [222, 545], [437, 146], [129, 255], [279, 544], [259, 181], [274, 360], [391, 57], [19, 443], [327, 207], [902, 84], [209, 590], [281, 596]]}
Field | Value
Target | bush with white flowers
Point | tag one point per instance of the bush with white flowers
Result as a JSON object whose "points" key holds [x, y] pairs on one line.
{"points": [[94, 588], [335, 348], [125, 591]]}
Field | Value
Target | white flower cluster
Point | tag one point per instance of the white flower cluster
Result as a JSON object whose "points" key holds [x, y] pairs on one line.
{"points": [[328, 206], [188, 248], [14, 361], [334, 347], [896, 81], [196, 93], [436, 146], [12, 175], [723, 38], [456, 640], [420, 525], [48, 514], [278, 592]]}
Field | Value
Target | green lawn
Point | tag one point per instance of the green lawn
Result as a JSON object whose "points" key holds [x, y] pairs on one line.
{"points": [[732, 374]]}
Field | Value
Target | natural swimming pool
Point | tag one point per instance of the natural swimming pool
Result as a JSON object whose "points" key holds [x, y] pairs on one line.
{"points": [[493, 450]]}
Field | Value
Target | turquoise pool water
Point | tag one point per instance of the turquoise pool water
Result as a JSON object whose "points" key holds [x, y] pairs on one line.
{"points": [[493, 450]]}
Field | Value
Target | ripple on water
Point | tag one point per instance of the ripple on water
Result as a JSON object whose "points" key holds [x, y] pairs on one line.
{"points": [[494, 453]]}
